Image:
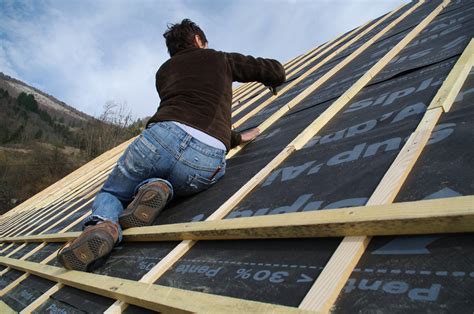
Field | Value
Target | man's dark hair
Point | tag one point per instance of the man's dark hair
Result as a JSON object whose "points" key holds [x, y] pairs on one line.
{"points": [[180, 36]]}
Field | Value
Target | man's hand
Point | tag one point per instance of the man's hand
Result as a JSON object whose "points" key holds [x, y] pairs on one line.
{"points": [[249, 135], [273, 90]]}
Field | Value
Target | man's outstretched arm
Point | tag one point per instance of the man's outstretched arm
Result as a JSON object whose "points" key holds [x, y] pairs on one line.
{"points": [[269, 72]]}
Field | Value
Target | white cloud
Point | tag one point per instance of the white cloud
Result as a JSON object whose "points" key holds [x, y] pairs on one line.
{"points": [[90, 52]]}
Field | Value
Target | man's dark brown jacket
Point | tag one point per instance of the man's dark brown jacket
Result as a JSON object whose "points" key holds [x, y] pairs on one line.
{"points": [[195, 88]]}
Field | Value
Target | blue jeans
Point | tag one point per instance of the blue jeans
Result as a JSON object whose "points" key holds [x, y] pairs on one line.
{"points": [[163, 152]]}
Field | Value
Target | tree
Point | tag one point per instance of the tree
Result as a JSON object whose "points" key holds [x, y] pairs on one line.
{"points": [[4, 93], [39, 134], [113, 127], [28, 101], [17, 134]]}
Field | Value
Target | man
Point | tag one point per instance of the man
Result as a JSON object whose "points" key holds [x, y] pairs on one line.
{"points": [[182, 150]]}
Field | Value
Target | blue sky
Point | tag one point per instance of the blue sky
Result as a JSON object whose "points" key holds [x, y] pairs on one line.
{"points": [[87, 53]]}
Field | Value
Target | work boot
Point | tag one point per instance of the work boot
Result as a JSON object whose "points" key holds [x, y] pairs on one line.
{"points": [[149, 201], [91, 248]]}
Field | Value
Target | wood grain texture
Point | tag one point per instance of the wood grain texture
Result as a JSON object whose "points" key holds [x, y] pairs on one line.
{"points": [[13, 284], [5, 309], [457, 76], [419, 217], [339, 266], [38, 248], [394, 178], [228, 205], [221, 212], [349, 94]]}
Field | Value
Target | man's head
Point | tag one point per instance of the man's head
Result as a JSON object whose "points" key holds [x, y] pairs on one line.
{"points": [[184, 35]]}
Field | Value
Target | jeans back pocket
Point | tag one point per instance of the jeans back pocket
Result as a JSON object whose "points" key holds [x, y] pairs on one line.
{"points": [[195, 184]]}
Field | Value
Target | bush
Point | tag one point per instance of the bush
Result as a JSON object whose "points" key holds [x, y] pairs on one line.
{"points": [[39, 134], [28, 101], [4, 93]]}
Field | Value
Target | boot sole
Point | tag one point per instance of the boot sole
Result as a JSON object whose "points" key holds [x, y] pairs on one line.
{"points": [[87, 253], [144, 212]]}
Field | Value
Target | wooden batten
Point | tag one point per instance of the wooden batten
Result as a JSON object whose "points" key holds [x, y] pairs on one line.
{"points": [[5, 309], [42, 298], [153, 297], [52, 192], [341, 101], [328, 285], [21, 220], [420, 217], [306, 135], [328, 58], [457, 76], [357, 224], [94, 178]]}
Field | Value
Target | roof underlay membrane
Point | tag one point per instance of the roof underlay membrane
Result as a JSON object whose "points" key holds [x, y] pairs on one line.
{"points": [[336, 135]]}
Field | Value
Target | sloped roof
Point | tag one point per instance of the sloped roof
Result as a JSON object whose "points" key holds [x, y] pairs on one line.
{"points": [[330, 139]]}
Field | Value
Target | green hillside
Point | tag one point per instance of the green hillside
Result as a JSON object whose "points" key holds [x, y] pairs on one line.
{"points": [[40, 144]]}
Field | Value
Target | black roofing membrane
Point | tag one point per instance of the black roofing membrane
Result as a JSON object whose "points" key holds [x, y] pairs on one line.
{"points": [[71, 300], [441, 42], [131, 309], [448, 167], [26, 292], [69, 220], [131, 260], [349, 74], [10, 276], [320, 57], [362, 140], [279, 102], [339, 167], [39, 224], [11, 247], [26, 249], [373, 32], [413, 19], [128, 261], [239, 170], [275, 271], [429, 274], [432, 273], [45, 252]]}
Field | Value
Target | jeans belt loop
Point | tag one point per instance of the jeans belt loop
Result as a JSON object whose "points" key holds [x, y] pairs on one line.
{"points": [[185, 141]]}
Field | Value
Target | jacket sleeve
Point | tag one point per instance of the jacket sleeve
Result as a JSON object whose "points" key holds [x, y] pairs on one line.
{"points": [[249, 69], [235, 139]]}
